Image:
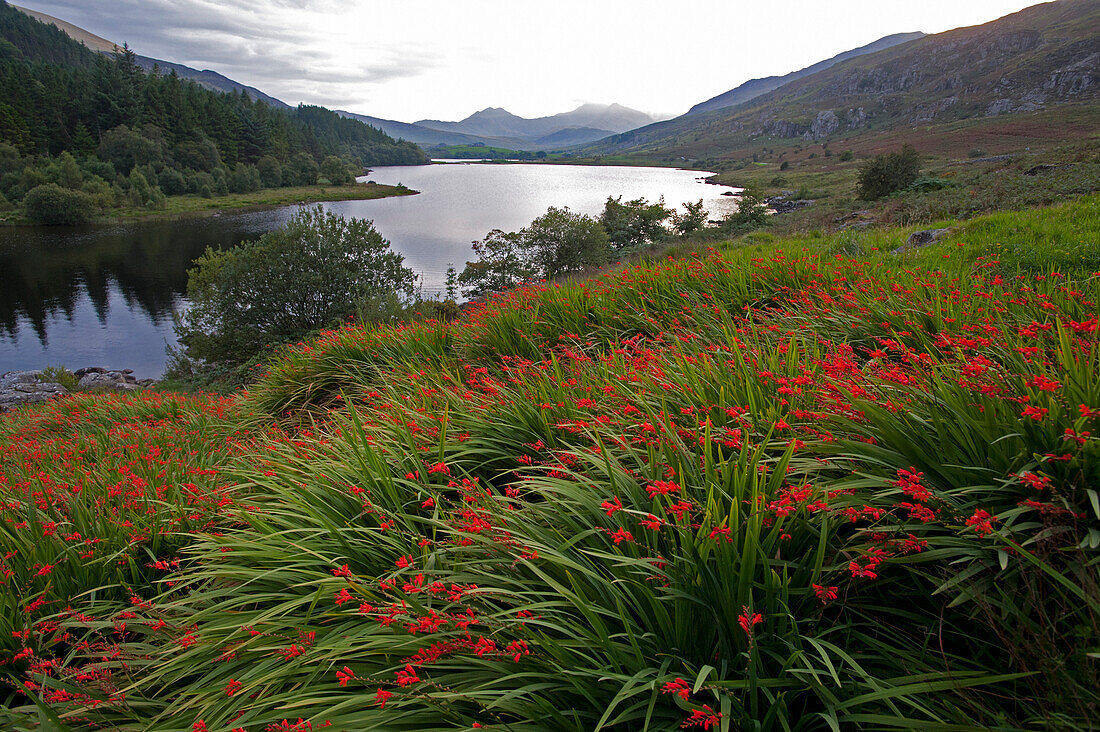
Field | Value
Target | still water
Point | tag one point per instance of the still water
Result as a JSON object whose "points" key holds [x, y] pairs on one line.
{"points": [[106, 295]]}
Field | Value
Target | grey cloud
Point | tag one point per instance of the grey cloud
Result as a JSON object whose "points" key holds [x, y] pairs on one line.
{"points": [[246, 40]]}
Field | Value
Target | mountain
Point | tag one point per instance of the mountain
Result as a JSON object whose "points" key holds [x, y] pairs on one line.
{"points": [[428, 136], [1043, 56], [207, 79], [756, 87], [497, 122]]}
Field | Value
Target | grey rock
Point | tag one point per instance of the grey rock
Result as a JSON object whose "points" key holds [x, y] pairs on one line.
{"points": [[920, 239], [23, 387]]}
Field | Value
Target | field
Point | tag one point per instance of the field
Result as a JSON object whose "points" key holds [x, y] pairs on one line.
{"points": [[786, 483]]}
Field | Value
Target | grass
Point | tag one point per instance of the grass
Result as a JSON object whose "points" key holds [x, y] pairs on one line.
{"points": [[796, 484]]}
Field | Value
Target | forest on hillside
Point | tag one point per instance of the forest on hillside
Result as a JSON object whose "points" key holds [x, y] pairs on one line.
{"points": [[108, 134]]}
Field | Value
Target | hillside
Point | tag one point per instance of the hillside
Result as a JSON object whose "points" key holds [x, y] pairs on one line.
{"points": [[648, 501], [1038, 58], [757, 87], [83, 134], [206, 78]]}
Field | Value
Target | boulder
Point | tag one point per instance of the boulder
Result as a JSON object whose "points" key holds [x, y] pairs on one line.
{"points": [[923, 238]]}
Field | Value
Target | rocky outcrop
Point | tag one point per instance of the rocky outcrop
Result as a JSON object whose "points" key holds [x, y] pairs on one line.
{"points": [[825, 124], [32, 387], [785, 204], [25, 387]]}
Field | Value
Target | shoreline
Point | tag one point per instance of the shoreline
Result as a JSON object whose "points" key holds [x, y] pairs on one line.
{"points": [[190, 205]]}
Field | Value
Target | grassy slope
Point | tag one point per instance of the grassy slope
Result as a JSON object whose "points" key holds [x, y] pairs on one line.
{"points": [[887, 457]]}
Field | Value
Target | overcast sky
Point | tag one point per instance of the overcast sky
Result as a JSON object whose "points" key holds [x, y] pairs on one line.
{"points": [[415, 59]]}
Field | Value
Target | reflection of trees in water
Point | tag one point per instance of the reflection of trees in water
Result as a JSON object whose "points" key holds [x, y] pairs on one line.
{"points": [[45, 271]]}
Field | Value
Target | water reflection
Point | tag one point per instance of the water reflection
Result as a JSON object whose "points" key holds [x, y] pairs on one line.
{"points": [[105, 295]]}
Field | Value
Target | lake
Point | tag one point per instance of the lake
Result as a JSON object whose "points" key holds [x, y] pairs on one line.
{"points": [[105, 295]]}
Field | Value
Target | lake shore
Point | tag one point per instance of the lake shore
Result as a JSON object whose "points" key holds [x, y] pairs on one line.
{"points": [[193, 205]]}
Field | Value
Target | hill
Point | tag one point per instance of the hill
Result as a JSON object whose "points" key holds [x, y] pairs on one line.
{"points": [[1038, 58], [756, 87], [83, 133], [206, 78]]}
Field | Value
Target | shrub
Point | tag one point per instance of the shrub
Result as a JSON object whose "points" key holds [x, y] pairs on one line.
{"points": [[784, 165], [313, 272], [172, 182], [888, 173], [845, 156], [53, 205], [501, 265]]}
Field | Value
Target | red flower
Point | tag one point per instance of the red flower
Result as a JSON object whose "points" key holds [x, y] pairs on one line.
{"points": [[342, 596], [344, 676], [661, 488], [232, 687], [612, 507], [748, 620], [382, 696], [1036, 413], [825, 593], [678, 687]]}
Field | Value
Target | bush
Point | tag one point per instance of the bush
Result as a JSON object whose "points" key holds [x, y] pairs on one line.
{"points": [[784, 165], [888, 173], [313, 272], [502, 264], [845, 156], [53, 205]]}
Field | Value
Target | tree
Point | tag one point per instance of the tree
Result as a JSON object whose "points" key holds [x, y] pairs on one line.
{"points": [[53, 205], [887, 173], [633, 223], [336, 171], [561, 242], [751, 212], [271, 173], [302, 170], [502, 264], [315, 271], [693, 218]]}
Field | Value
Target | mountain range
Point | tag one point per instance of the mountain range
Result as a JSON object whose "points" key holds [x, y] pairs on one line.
{"points": [[1040, 57], [497, 127]]}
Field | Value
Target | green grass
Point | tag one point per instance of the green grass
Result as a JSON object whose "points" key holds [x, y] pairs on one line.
{"points": [[796, 484]]}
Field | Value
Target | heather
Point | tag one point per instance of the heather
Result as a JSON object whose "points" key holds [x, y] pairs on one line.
{"points": [[779, 484]]}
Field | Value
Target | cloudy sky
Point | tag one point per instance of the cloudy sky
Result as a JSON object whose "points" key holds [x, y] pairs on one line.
{"points": [[415, 59]]}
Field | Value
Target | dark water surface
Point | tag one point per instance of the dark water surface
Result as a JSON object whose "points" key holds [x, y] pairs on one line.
{"points": [[105, 295]]}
